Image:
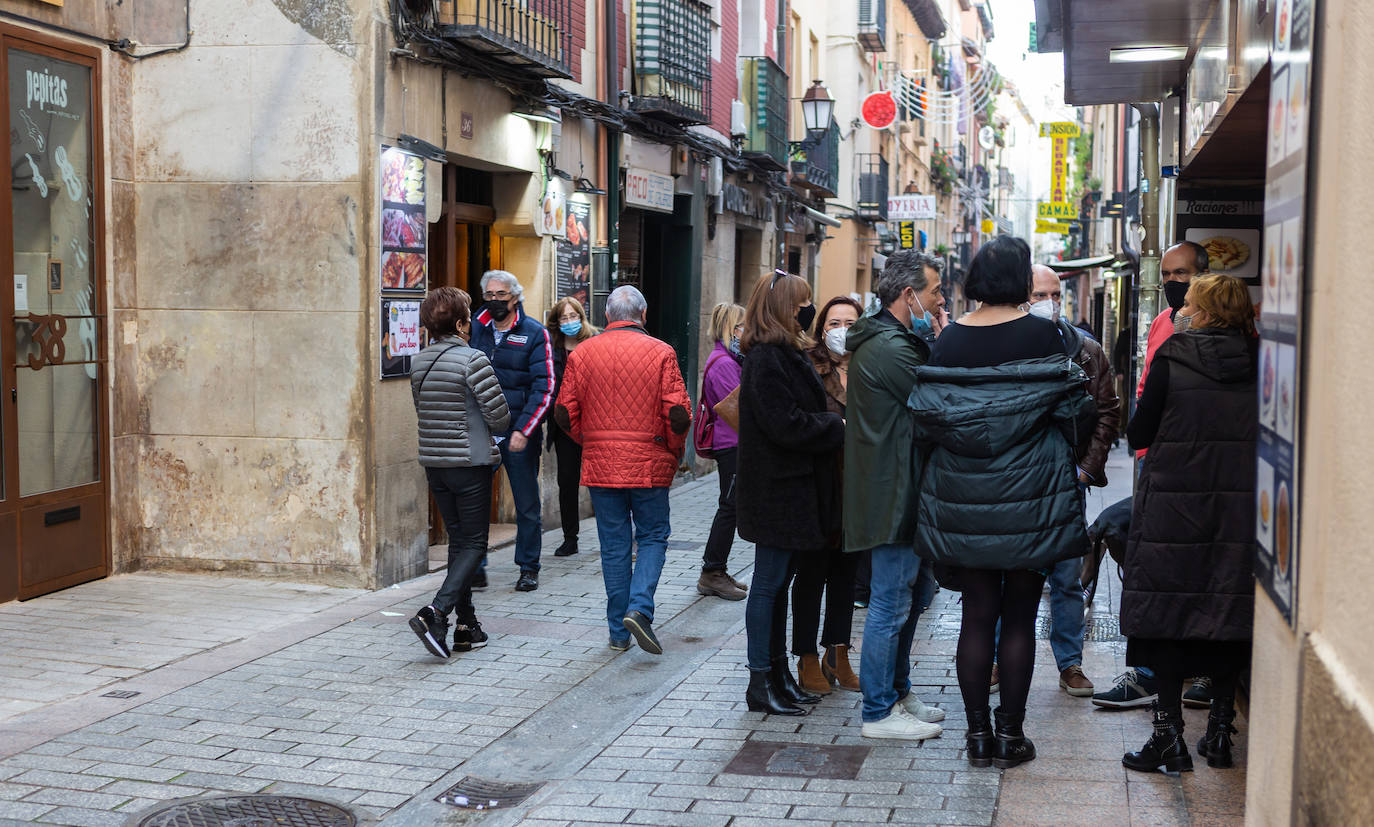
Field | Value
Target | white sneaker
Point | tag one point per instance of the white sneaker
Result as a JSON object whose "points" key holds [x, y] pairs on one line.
{"points": [[920, 711], [900, 725]]}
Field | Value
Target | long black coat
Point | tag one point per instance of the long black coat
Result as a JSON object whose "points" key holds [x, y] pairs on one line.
{"points": [[787, 486], [1191, 553]]}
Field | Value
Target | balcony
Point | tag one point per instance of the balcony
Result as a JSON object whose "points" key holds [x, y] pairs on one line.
{"points": [[535, 35], [873, 25], [764, 90], [871, 204], [673, 60], [816, 163]]}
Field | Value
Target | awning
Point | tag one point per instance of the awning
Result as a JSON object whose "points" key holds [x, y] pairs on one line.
{"points": [[928, 18], [816, 215], [1081, 263]]}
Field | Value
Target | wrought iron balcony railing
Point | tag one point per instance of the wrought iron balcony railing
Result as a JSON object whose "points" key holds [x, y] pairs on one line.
{"points": [[872, 180], [764, 91], [873, 25], [816, 162], [673, 60], [535, 35]]}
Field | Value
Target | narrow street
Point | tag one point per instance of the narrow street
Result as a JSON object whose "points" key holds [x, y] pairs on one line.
{"points": [[254, 687]]}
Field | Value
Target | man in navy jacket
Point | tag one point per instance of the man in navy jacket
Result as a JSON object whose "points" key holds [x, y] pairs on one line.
{"points": [[518, 347]]}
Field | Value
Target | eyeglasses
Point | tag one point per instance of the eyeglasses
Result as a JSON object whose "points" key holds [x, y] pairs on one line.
{"points": [[501, 296]]}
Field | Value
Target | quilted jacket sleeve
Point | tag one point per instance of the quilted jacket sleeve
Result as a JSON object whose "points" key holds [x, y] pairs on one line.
{"points": [[568, 413], [540, 397], [675, 406], [482, 380]]}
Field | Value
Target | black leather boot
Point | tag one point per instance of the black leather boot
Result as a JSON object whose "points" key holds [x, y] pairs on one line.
{"points": [[1166, 751], [763, 696], [980, 742], [787, 685], [1012, 747], [1215, 745]]}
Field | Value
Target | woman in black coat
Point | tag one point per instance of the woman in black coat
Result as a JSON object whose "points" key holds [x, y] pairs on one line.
{"points": [[786, 485], [1187, 605]]}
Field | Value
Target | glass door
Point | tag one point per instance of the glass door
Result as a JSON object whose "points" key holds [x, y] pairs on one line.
{"points": [[52, 409]]}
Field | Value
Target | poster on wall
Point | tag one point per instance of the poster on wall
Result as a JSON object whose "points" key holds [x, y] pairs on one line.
{"points": [[401, 338], [404, 228], [1277, 494], [573, 253]]}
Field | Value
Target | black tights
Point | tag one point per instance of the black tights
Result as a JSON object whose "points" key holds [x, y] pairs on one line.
{"points": [[1014, 597], [1170, 679]]}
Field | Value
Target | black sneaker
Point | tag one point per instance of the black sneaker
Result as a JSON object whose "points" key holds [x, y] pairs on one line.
{"points": [[1199, 695], [479, 579], [1132, 689], [431, 629], [528, 582], [643, 631], [462, 638], [620, 644], [476, 635]]}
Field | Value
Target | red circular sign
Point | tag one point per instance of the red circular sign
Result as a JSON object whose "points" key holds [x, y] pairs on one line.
{"points": [[879, 110]]}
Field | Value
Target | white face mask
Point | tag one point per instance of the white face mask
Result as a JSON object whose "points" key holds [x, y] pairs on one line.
{"points": [[1045, 309], [834, 339], [1182, 323]]}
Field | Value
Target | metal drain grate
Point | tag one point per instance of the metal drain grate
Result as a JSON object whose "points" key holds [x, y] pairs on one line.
{"points": [[121, 693], [474, 793], [248, 811], [1098, 628]]}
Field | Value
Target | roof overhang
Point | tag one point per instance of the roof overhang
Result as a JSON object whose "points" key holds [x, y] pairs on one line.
{"points": [[1081, 263], [928, 18]]}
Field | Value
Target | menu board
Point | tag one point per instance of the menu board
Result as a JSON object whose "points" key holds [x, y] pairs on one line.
{"points": [[403, 221], [1281, 342], [573, 253], [401, 337]]}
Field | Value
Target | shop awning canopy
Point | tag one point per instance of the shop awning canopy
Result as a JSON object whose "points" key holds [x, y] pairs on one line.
{"points": [[928, 17], [1088, 30], [1081, 263]]}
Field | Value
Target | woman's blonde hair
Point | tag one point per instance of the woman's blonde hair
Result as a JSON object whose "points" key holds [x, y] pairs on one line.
{"points": [[551, 321], [1226, 301], [771, 315], [725, 317]]}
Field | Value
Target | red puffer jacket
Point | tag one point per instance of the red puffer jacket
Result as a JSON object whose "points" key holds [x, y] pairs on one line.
{"points": [[624, 400]]}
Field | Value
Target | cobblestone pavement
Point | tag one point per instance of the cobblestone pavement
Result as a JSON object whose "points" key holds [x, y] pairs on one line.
{"points": [[248, 687]]}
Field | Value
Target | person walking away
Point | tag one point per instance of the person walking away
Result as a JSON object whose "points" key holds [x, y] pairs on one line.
{"points": [[718, 380], [568, 327], [624, 401], [831, 571], [458, 406], [519, 350], [1188, 596], [1066, 591], [788, 496], [998, 497], [879, 488]]}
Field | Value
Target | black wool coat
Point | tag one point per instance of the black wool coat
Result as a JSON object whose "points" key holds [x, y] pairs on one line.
{"points": [[787, 487]]}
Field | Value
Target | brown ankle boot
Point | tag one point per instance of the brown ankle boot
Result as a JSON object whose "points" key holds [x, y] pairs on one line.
{"points": [[810, 677], [836, 668]]}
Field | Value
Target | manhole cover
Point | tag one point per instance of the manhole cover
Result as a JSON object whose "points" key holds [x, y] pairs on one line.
{"points": [[474, 793], [248, 811], [802, 760]]}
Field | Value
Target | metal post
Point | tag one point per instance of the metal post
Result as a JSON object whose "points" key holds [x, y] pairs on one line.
{"points": [[1148, 286]]}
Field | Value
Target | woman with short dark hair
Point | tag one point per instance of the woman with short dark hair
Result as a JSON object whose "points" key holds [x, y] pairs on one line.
{"points": [[458, 406]]}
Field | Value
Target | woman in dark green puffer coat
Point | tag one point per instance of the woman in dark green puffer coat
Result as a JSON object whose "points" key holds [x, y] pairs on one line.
{"points": [[997, 413]]}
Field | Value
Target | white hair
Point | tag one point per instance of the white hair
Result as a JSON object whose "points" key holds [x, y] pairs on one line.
{"points": [[625, 304], [508, 279]]}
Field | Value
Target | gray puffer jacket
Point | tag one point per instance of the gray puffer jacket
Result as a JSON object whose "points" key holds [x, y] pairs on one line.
{"points": [[459, 405]]}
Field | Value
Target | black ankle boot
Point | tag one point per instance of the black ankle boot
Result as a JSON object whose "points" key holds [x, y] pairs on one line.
{"points": [[1012, 747], [1166, 751], [569, 547], [980, 742], [763, 696], [787, 685], [1215, 745]]}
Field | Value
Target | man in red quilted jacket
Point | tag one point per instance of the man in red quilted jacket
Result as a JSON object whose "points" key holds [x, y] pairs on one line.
{"points": [[624, 401]]}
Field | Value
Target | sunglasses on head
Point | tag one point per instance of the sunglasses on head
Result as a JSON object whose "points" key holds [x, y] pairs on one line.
{"points": [[777, 274]]}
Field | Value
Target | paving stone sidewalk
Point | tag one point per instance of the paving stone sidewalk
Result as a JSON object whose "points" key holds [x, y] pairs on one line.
{"points": [[325, 693]]}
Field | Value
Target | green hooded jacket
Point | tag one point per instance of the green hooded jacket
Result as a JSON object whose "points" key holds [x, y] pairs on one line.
{"points": [[878, 451], [999, 484]]}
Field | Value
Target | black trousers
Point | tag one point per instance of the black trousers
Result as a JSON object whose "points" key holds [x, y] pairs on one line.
{"points": [[723, 526], [569, 455], [863, 575], [463, 496], [831, 572]]}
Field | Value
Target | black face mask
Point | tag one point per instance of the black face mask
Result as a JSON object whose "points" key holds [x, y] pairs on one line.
{"points": [[1174, 293], [498, 309], [806, 316]]}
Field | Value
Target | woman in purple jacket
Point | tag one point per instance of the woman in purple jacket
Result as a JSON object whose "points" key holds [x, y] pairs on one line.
{"points": [[722, 376]]}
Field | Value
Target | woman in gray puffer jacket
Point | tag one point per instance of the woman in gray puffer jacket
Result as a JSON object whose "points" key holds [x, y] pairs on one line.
{"points": [[458, 405]]}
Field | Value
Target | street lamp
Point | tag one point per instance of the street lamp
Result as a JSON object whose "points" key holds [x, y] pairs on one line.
{"points": [[817, 108]]}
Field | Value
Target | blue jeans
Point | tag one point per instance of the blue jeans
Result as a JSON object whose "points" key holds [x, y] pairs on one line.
{"points": [[1066, 613], [897, 596], [522, 470], [765, 615], [625, 518]]}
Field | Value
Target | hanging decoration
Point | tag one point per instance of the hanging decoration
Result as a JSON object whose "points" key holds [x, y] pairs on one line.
{"points": [[948, 107], [879, 110]]}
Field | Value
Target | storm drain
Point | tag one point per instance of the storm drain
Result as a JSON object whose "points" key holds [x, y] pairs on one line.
{"points": [[121, 693], [798, 760], [248, 811], [1098, 628], [474, 793]]}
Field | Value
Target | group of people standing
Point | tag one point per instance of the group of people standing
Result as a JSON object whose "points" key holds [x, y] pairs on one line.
{"points": [[890, 452]]}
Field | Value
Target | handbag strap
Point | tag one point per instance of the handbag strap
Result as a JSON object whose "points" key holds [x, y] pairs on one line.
{"points": [[431, 367], [710, 360]]}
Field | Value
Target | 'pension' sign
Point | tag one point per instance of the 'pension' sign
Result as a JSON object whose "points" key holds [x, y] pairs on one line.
{"points": [[1059, 129]]}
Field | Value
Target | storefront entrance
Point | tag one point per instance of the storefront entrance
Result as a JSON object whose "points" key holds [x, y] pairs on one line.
{"points": [[53, 422]]}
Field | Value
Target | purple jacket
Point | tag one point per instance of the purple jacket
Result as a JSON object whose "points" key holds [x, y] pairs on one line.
{"points": [[722, 376]]}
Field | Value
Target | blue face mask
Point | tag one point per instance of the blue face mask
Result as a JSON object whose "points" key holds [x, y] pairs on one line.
{"points": [[571, 328], [923, 325]]}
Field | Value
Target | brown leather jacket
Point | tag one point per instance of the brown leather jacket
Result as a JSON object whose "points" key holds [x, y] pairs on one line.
{"points": [[1090, 356]]}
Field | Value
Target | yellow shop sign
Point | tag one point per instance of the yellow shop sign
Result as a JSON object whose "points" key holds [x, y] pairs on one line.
{"points": [[1059, 129], [1052, 227], [1057, 211]]}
